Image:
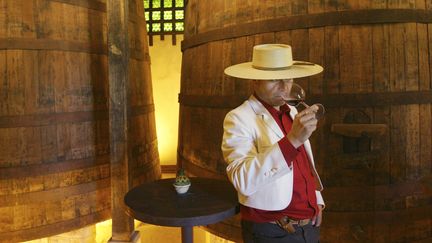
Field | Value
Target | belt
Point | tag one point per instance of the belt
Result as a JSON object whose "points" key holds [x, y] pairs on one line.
{"points": [[288, 224]]}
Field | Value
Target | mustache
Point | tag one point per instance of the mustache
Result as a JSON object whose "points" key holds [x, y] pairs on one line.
{"points": [[282, 95]]}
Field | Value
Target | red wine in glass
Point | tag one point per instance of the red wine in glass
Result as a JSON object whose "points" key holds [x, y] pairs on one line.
{"points": [[296, 97], [294, 102]]}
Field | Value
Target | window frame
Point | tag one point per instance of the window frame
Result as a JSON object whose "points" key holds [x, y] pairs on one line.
{"points": [[161, 21]]}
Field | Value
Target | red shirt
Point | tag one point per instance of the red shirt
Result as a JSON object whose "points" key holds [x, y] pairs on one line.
{"points": [[303, 204]]}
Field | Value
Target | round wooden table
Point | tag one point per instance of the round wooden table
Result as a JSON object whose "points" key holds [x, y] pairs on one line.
{"points": [[208, 201]]}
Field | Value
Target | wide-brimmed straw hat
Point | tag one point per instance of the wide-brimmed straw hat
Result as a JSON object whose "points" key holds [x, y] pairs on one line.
{"points": [[273, 61]]}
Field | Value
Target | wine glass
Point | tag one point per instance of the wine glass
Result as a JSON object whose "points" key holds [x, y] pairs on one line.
{"points": [[296, 97]]}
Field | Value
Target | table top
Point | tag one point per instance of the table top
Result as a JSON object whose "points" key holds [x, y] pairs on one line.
{"points": [[207, 201]]}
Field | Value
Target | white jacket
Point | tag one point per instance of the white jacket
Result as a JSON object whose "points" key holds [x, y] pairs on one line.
{"points": [[256, 165]]}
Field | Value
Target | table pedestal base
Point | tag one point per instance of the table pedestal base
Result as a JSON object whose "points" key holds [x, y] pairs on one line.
{"points": [[134, 238], [187, 234]]}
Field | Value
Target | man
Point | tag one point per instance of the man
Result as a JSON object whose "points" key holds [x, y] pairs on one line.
{"points": [[266, 146]]}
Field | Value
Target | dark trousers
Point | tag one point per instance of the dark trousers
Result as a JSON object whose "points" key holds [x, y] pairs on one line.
{"points": [[272, 233]]}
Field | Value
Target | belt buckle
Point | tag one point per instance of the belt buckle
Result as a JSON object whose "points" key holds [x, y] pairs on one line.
{"points": [[303, 222], [286, 224]]}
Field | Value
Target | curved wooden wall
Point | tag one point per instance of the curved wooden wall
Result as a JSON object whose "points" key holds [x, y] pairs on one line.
{"points": [[374, 144], [54, 132]]}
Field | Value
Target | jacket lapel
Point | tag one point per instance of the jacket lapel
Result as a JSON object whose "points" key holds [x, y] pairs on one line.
{"points": [[265, 115], [293, 112]]}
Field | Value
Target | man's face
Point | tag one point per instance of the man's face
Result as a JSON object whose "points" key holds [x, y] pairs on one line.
{"points": [[271, 91]]}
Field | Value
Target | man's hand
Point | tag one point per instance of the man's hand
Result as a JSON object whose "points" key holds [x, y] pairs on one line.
{"points": [[304, 124], [316, 221]]}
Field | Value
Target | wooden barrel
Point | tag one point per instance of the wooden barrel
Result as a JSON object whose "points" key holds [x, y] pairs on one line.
{"points": [[54, 129], [374, 144]]}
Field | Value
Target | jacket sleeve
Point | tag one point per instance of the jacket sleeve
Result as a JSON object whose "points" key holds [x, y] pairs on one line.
{"points": [[249, 169], [320, 200]]}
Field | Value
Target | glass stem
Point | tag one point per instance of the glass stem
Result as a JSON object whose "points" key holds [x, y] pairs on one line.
{"points": [[304, 104]]}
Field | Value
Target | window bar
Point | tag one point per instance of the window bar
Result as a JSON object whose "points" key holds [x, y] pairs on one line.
{"points": [[150, 23], [162, 19], [174, 41]]}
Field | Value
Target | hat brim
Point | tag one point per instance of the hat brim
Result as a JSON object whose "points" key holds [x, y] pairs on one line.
{"points": [[246, 71]]}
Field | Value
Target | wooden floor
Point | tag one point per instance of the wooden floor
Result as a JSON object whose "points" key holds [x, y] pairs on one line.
{"points": [[101, 233]]}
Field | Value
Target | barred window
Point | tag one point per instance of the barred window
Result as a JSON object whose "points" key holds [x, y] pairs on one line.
{"points": [[164, 17]]}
